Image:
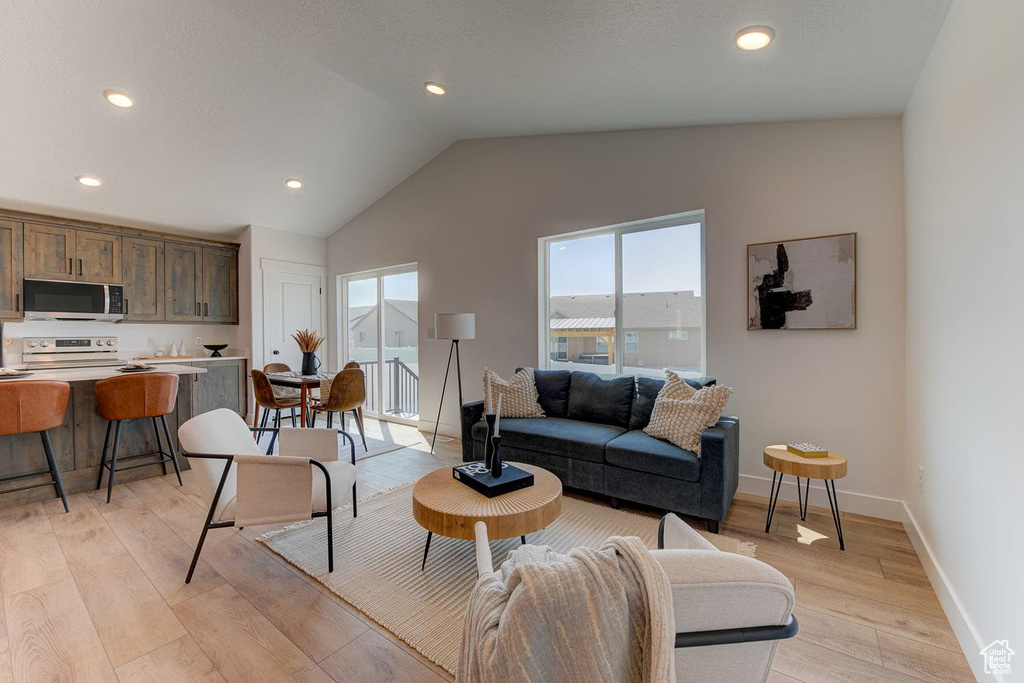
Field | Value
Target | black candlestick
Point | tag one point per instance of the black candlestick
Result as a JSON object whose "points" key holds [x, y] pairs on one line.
{"points": [[488, 446], [496, 457]]}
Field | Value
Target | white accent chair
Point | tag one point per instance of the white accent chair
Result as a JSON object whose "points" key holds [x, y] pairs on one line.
{"points": [[212, 441], [730, 611]]}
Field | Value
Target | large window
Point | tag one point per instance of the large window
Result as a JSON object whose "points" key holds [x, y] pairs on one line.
{"points": [[626, 299]]}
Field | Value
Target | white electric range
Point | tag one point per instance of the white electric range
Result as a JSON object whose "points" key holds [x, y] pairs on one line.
{"points": [[42, 353]]}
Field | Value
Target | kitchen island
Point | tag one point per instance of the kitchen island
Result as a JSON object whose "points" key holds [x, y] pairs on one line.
{"points": [[78, 443]]}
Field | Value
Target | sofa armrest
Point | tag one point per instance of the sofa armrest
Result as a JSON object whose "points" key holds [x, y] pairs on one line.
{"points": [[719, 467], [675, 534], [471, 414], [712, 590]]}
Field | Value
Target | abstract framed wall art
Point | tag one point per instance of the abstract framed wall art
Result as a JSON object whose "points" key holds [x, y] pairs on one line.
{"points": [[803, 284]]}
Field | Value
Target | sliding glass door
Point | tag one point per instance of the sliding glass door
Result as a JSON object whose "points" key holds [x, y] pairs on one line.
{"points": [[381, 333]]}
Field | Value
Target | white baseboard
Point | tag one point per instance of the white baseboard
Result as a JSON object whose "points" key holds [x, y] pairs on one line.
{"points": [[858, 503], [966, 634]]}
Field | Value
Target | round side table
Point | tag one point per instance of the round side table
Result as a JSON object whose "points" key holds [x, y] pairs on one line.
{"points": [[829, 468], [442, 505]]}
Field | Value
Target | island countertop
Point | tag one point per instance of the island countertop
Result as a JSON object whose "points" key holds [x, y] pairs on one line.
{"points": [[97, 373]]}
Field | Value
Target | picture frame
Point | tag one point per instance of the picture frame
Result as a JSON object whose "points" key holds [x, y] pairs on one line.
{"points": [[813, 288]]}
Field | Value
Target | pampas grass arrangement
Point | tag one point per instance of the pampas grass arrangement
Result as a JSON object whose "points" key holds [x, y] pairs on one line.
{"points": [[308, 340]]}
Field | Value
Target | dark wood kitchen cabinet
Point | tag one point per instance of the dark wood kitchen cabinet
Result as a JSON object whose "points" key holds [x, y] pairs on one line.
{"points": [[183, 282], [220, 285], [222, 386], [98, 257], [49, 252], [58, 253], [167, 277], [10, 269], [143, 279]]}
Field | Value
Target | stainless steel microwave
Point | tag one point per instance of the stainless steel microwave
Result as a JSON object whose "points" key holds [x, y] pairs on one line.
{"points": [[60, 300]]}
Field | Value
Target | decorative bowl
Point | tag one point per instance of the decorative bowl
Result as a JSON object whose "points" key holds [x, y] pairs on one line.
{"points": [[216, 348]]}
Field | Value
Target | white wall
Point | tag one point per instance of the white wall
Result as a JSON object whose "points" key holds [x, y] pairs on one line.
{"points": [[964, 159], [260, 243], [471, 219]]}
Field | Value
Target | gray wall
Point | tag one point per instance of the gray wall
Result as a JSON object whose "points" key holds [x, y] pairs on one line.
{"points": [[472, 216]]}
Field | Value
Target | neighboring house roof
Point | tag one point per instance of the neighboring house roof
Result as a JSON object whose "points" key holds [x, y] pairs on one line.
{"points": [[641, 310], [583, 323], [410, 309]]}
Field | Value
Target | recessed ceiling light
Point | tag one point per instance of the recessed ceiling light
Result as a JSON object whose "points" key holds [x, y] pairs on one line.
{"points": [[435, 88], [119, 99], [754, 37], [89, 180], [293, 184]]}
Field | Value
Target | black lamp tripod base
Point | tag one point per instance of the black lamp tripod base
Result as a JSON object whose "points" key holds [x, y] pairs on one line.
{"points": [[458, 371]]}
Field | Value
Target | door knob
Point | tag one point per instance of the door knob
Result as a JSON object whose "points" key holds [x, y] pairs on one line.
{"points": [[276, 352]]}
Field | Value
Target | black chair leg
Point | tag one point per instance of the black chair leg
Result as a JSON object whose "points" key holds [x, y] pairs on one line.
{"points": [[330, 419], [330, 535], [359, 424], [293, 419], [103, 457], [173, 453], [113, 460], [159, 446], [355, 511], [51, 460], [273, 437]]}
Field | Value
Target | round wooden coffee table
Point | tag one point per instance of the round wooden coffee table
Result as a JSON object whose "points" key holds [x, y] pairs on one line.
{"points": [[829, 468], [442, 505]]}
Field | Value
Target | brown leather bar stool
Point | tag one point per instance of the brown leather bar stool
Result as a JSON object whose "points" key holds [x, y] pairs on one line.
{"points": [[263, 391], [35, 406], [136, 397]]}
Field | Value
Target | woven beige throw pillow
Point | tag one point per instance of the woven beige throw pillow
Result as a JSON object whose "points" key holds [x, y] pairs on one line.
{"points": [[675, 387], [519, 394], [681, 421]]}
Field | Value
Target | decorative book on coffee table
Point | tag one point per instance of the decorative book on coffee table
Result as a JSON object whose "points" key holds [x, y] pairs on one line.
{"points": [[477, 476], [807, 450]]}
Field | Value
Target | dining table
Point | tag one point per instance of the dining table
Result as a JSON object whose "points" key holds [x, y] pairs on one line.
{"points": [[295, 380]]}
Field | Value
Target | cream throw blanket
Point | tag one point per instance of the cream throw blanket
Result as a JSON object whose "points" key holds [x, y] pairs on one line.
{"points": [[591, 615]]}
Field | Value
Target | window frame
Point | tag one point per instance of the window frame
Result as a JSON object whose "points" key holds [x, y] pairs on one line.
{"points": [[635, 342], [618, 230]]}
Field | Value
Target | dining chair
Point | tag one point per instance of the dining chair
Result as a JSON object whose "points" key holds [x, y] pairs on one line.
{"points": [[246, 488], [346, 392], [282, 392], [269, 401]]}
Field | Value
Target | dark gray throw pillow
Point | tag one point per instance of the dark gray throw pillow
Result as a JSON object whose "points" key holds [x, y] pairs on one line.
{"points": [[647, 389], [553, 391], [606, 401]]}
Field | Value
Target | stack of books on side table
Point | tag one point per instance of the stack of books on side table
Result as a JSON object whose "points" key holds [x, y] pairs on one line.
{"points": [[807, 450]]}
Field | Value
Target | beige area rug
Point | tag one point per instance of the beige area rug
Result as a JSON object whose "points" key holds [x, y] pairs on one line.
{"points": [[378, 441], [377, 562]]}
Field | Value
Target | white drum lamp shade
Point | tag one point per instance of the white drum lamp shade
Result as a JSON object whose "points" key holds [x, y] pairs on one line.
{"points": [[455, 325]]}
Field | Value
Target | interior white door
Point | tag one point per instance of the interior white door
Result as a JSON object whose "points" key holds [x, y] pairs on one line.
{"points": [[291, 301]]}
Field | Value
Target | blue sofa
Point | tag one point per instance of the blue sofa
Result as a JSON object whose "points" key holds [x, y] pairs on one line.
{"points": [[592, 438]]}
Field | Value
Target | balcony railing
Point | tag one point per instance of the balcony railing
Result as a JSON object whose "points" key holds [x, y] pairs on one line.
{"points": [[400, 388]]}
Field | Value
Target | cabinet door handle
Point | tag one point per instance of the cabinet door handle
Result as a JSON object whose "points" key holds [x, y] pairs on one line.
{"points": [[17, 302], [71, 266], [79, 266], [206, 310], [198, 310]]}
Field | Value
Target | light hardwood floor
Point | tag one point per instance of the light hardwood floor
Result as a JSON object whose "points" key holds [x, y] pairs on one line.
{"points": [[98, 594]]}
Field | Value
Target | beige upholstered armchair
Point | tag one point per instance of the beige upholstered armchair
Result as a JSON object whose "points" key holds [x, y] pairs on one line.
{"points": [[246, 488], [730, 611]]}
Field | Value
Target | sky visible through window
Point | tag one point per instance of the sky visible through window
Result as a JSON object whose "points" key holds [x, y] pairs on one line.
{"points": [[662, 260], [364, 292]]}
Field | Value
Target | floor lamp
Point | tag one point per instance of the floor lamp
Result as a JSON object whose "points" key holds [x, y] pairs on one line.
{"points": [[455, 327]]}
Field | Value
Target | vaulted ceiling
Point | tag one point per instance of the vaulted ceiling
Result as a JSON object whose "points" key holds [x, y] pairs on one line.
{"points": [[235, 96]]}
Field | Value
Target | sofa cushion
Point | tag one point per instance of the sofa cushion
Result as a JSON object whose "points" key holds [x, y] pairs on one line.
{"points": [[605, 401], [647, 389], [554, 435], [641, 452], [552, 391]]}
